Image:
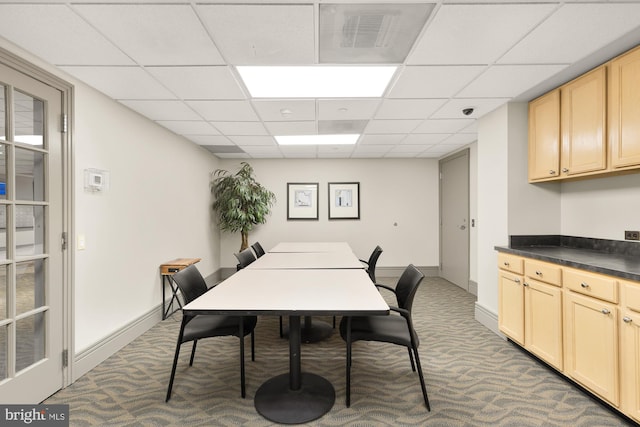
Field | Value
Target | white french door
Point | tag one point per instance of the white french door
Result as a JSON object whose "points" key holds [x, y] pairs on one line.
{"points": [[31, 225]]}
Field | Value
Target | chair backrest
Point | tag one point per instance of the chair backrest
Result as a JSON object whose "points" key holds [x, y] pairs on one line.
{"points": [[407, 286], [245, 257], [190, 282], [257, 248], [373, 259]]}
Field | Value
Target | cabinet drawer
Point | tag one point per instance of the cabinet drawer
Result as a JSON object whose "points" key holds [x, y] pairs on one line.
{"points": [[543, 271], [511, 263], [631, 295], [591, 284]]}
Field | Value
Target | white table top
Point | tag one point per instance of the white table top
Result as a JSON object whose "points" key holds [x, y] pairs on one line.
{"points": [[298, 260], [311, 247], [292, 292]]}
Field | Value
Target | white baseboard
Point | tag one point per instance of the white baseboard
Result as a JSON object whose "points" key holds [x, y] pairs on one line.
{"points": [[488, 318], [91, 357]]}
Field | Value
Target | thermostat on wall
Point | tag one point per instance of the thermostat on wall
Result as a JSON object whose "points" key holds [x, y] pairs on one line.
{"points": [[96, 180]]}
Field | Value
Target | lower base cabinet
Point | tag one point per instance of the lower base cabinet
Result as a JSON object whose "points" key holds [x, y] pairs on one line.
{"points": [[543, 321]]}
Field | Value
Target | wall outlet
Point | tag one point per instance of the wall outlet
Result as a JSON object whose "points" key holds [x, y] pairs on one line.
{"points": [[632, 235]]}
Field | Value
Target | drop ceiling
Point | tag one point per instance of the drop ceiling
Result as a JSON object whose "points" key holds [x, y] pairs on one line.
{"points": [[174, 62]]}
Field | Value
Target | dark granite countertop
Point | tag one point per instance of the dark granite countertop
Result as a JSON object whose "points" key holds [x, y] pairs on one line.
{"points": [[612, 257]]}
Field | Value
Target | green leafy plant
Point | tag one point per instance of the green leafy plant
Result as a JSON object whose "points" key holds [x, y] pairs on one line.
{"points": [[240, 201]]}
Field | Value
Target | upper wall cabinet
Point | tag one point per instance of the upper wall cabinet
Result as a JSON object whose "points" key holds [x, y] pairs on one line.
{"points": [[589, 126], [624, 110]]}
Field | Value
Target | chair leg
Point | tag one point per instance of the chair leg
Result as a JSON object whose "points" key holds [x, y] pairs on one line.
{"points": [[422, 384], [193, 352], [413, 366], [348, 392], [175, 361], [253, 346], [242, 379], [281, 330]]}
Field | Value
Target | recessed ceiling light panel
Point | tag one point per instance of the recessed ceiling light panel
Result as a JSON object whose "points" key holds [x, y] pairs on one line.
{"points": [[316, 81]]}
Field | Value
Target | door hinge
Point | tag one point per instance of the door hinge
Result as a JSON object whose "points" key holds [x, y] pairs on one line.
{"points": [[64, 240], [64, 123], [65, 358]]}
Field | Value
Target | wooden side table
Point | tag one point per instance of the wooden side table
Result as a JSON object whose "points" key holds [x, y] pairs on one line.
{"points": [[167, 270]]}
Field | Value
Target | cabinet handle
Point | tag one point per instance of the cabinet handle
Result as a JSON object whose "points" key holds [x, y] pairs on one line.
{"points": [[584, 285], [627, 319], [525, 284], [565, 170], [552, 172], [516, 280], [538, 273], [506, 263], [605, 311]]}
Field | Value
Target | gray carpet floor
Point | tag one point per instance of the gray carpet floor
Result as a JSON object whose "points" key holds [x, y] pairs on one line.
{"points": [[474, 378]]}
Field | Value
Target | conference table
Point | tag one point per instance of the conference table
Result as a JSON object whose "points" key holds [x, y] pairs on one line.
{"points": [[311, 247], [293, 397]]}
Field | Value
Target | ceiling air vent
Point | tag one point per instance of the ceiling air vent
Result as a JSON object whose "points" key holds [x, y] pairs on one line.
{"points": [[370, 33]]}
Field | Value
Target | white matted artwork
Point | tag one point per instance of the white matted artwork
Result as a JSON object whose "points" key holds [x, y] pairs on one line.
{"points": [[344, 200], [302, 200]]}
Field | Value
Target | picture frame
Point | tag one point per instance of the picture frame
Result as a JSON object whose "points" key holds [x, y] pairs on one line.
{"points": [[302, 201], [344, 200]]}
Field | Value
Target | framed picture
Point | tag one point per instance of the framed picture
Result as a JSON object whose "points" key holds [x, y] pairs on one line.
{"points": [[344, 200], [302, 200]]}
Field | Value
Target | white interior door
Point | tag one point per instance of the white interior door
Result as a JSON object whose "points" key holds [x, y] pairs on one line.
{"points": [[454, 219], [31, 222]]}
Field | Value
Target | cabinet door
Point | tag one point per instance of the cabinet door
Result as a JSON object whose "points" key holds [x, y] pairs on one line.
{"points": [[511, 306], [591, 344], [544, 137], [630, 363], [543, 321], [624, 110], [583, 118]]}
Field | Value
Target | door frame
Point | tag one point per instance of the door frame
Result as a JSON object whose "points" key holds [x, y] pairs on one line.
{"points": [[465, 152], [11, 60]]}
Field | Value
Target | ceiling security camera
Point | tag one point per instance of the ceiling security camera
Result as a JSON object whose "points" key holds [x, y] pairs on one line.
{"points": [[467, 111]]}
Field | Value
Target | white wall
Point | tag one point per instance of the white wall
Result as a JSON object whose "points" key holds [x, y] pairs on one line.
{"points": [[402, 192]]}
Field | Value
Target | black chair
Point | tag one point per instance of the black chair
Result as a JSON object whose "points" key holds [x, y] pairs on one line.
{"points": [[245, 257], [371, 263], [257, 248], [394, 329], [194, 328]]}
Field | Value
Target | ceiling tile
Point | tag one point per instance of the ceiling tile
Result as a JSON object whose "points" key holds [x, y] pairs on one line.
{"points": [[184, 127], [460, 138], [253, 34], [240, 128], [433, 81], [475, 34], [297, 151], [381, 139], [582, 29], [199, 82], [292, 128], [481, 106], [209, 139], [154, 34], [331, 127], [31, 26], [253, 140], [408, 108], [347, 109], [508, 81], [425, 138], [379, 148], [224, 110], [443, 125], [162, 110], [285, 110], [121, 82], [391, 126]]}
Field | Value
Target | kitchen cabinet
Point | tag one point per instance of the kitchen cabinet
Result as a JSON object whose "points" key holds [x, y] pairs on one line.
{"points": [[544, 137], [630, 349], [583, 124], [624, 110], [511, 306]]}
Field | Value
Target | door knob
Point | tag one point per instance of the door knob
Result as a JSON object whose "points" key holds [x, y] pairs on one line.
{"points": [[463, 227]]}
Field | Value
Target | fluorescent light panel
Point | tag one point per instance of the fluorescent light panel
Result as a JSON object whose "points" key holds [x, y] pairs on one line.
{"points": [[316, 81], [340, 139]]}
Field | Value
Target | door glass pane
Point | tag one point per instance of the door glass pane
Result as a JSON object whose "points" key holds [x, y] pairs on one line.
{"points": [[30, 340], [3, 171], [30, 230], [29, 285], [29, 119], [29, 175], [3, 113], [3, 351], [3, 293]]}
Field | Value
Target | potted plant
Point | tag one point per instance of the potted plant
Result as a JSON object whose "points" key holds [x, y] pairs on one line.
{"points": [[240, 201]]}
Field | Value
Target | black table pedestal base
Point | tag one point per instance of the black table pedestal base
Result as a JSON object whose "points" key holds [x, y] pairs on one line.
{"points": [[312, 332], [275, 400]]}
